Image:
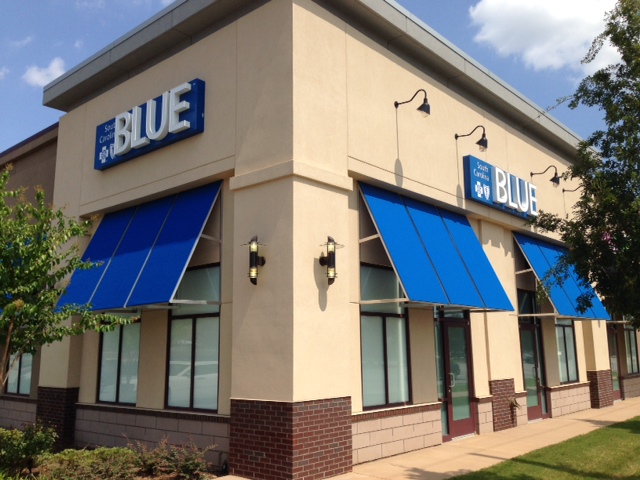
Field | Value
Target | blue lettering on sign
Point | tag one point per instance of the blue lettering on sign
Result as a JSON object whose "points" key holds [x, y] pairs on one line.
{"points": [[492, 186], [173, 116]]}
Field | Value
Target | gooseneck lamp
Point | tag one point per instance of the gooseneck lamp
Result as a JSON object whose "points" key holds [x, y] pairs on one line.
{"points": [[483, 144], [255, 260], [555, 179], [329, 260], [424, 108]]}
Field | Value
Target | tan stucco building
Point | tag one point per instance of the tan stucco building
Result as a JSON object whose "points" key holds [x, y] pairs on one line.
{"points": [[290, 121]]}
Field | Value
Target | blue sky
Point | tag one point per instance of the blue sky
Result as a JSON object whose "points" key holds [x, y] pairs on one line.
{"points": [[534, 45]]}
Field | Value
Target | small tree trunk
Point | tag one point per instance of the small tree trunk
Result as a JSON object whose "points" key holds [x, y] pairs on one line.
{"points": [[4, 366]]}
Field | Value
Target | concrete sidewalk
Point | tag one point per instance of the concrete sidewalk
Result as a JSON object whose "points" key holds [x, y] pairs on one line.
{"points": [[481, 451]]}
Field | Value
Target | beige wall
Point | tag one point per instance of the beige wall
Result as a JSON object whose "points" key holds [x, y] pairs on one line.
{"points": [[33, 163], [152, 366], [90, 366], [424, 379], [399, 149], [262, 349], [421, 154], [597, 351], [247, 70], [550, 344], [298, 105]]}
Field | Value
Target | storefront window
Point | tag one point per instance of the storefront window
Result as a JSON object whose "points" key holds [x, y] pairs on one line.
{"points": [[19, 379], [119, 356], [632, 349], [567, 361], [385, 367], [194, 343]]}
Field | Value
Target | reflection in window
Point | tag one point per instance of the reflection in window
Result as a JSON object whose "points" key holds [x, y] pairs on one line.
{"points": [[567, 361], [119, 357], [194, 343], [632, 349], [379, 284], [19, 378]]}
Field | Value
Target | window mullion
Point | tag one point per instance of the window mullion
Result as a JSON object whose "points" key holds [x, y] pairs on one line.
{"points": [[19, 370], [194, 325], [386, 360], [118, 373]]}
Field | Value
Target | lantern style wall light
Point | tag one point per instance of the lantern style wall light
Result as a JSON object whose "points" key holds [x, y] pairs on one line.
{"points": [[329, 260], [483, 143], [424, 108], [255, 260], [572, 190], [555, 179]]}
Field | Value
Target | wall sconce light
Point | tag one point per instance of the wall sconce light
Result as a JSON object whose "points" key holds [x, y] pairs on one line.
{"points": [[424, 108], [572, 190], [483, 144], [255, 260], [329, 260], [555, 179]]}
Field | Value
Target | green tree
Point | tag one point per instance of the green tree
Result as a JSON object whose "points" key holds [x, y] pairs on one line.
{"points": [[603, 234], [37, 255]]}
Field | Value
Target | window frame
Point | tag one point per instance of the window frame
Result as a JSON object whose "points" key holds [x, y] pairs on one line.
{"points": [[385, 350], [385, 315], [631, 340], [563, 327], [119, 367], [18, 366], [193, 317]]}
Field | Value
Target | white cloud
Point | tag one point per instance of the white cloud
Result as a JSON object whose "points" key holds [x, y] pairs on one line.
{"points": [[4, 71], [21, 43], [90, 4], [544, 34], [39, 77], [78, 44]]}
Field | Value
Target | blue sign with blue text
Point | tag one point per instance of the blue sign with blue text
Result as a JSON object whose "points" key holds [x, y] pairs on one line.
{"points": [[173, 116], [492, 186]]}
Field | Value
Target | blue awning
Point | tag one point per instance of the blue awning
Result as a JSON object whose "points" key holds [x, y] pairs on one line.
{"points": [[542, 256], [142, 252], [435, 253]]}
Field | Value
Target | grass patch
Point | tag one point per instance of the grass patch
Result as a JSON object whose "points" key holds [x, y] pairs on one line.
{"points": [[606, 453]]}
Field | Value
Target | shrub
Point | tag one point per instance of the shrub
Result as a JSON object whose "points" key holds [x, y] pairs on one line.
{"points": [[20, 448], [98, 464], [185, 461], [188, 461], [150, 461]]}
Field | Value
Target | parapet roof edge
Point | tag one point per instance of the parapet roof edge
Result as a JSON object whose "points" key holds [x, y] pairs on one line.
{"points": [[183, 20]]}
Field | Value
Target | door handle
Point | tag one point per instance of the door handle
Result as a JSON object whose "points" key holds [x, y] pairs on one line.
{"points": [[453, 380]]}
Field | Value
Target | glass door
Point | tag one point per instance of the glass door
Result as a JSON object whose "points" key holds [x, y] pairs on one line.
{"points": [[455, 380], [532, 370], [613, 360], [532, 358]]}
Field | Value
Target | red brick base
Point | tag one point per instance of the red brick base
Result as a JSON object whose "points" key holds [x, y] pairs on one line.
{"points": [[504, 414], [56, 407], [600, 388], [290, 441]]}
